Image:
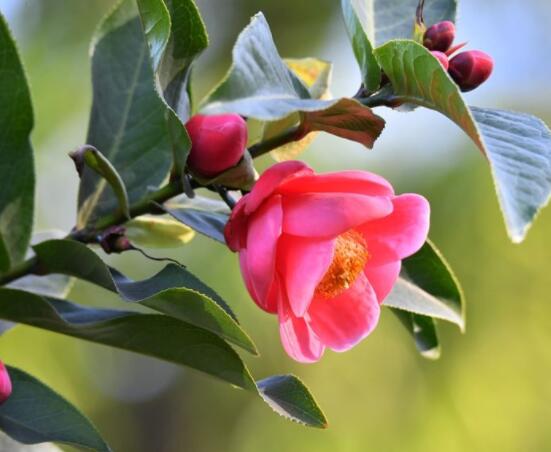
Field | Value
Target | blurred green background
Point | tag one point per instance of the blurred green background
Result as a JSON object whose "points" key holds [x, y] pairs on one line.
{"points": [[490, 391]]}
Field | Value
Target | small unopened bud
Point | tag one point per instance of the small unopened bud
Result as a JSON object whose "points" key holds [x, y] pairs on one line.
{"points": [[114, 240], [5, 383], [217, 143], [442, 58], [470, 69], [440, 36]]}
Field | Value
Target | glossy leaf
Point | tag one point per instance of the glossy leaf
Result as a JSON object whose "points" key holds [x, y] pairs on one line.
{"points": [[261, 86], [34, 413], [173, 291], [518, 146], [384, 20], [153, 335], [423, 331], [98, 163], [362, 47], [428, 287], [176, 35], [206, 216], [127, 122], [158, 232], [288, 396], [16, 155]]}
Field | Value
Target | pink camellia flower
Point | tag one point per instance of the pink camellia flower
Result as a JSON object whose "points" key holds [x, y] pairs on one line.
{"points": [[5, 383], [323, 251]]}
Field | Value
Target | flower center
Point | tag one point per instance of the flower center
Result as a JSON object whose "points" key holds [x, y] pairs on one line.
{"points": [[348, 262]]}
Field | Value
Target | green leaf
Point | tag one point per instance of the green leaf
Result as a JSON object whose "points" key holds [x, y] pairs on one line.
{"points": [[16, 155], [34, 413], [260, 85], [428, 287], [161, 337], [362, 47], [173, 291], [153, 335], [98, 163], [127, 122], [423, 331], [518, 146], [176, 35], [204, 215], [288, 396], [383, 20], [158, 232]]}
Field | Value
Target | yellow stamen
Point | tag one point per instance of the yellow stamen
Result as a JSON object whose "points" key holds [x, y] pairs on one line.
{"points": [[348, 262]]}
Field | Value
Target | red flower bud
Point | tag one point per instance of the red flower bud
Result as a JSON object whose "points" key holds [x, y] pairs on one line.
{"points": [[440, 36], [5, 383], [470, 69], [442, 58], [218, 143]]}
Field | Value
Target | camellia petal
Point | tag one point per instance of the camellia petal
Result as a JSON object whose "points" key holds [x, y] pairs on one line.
{"points": [[343, 321], [331, 214], [302, 263], [382, 277], [235, 231], [269, 303], [298, 339], [270, 180], [360, 182], [263, 234], [404, 231]]}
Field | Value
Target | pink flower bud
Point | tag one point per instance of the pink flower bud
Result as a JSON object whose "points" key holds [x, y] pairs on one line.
{"points": [[218, 143], [440, 36], [470, 69], [442, 57], [5, 383]]}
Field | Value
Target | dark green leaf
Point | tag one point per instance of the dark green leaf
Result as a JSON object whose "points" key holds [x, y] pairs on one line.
{"points": [[423, 331], [98, 163], [288, 396], [176, 35], [173, 291], [16, 157], [206, 216], [384, 20], [128, 122], [428, 287], [34, 413], [363, 50], [153, 335], [518, 146]]}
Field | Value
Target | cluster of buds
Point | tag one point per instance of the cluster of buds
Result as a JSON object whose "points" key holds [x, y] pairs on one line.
{"points": [[468, 69]]}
